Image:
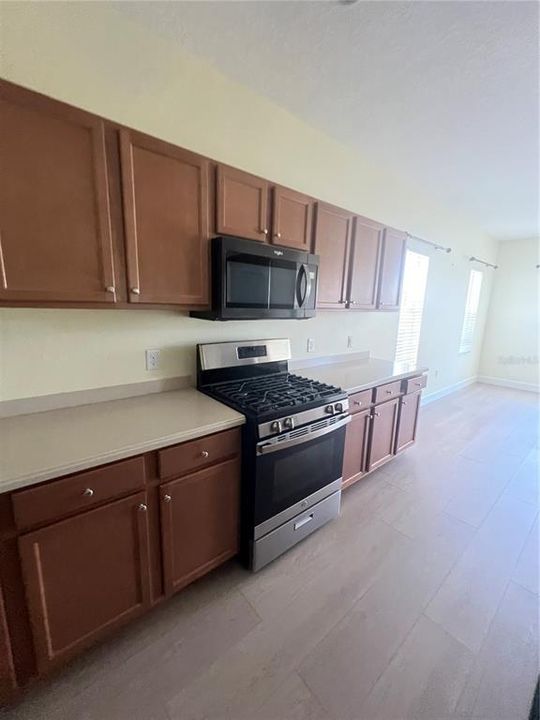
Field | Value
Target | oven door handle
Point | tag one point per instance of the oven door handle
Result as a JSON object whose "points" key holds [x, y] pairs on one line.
{"points": [[272, 446]]}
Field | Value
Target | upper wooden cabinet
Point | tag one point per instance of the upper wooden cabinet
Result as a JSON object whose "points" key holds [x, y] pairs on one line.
{"points": [[165, 193], [55, 225], [241, 204], [365, 264], [333, 230], [391, 273], [292, 219]]}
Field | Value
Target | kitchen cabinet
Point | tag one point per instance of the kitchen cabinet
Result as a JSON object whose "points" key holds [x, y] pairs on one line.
{"points": [[332, 242], [409, 406], [7, 670], [391, 272], [55, 221], [356, 445], [199, 522], [365, 264], [382, 433], [85, 576], [292, 219], [241, 204], [165, 198]]}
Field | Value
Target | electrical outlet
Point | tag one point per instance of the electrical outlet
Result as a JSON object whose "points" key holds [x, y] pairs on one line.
{"points": [[349, 341], [310, 345], [152, 359]]}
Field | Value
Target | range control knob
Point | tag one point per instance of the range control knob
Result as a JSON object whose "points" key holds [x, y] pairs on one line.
{"points": [[329, 409], [289, 423], [338, 407], [275, 426]]}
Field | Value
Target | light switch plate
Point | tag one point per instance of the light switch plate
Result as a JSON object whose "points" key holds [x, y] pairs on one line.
{"points": [[152, 359]]}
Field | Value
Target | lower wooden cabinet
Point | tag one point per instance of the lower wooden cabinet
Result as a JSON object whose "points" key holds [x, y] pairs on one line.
{"points": [[199, 522], [356, 446], [382, 433], [85, 576], [408, 419], [7, 670]]}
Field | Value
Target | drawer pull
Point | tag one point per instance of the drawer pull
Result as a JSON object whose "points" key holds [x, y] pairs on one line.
{"points": [[376, 414], [88, 492], [357, 403], [388, 392], [142, 507], [418, 384], [167, 498], [303, 522], [204, 453], [403, 402]]}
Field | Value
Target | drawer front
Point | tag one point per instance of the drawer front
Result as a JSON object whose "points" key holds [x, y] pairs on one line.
{"points": [[388, 391], [46, 503], [189, 456], [415, 384], [360, 401]]}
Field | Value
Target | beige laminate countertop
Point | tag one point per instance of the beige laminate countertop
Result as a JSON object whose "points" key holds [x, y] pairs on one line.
{"points": [[360, 374], [45, 445]]}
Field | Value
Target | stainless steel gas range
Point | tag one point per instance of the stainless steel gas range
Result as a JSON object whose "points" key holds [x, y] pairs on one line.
{"points": [[293, 442]]}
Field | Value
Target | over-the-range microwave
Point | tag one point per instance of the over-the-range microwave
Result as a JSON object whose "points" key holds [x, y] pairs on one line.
{"points": [[254, 281]]}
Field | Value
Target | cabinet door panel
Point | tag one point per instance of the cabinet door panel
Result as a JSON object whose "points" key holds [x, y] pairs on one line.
{"points": [[55, 225], [84, 576], [199, 522], [408, 419], [292, 219], [365, 264], [355, 455], [393, 260], [165, 193], [241, 204], [333, 229], [7, 670], [382, 433]]}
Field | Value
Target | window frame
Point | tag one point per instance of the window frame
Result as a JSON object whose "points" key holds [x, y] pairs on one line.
{"points": [[420, 308], [470, 314]]}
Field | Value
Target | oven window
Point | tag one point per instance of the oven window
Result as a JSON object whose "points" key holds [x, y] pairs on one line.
{"points": [[247, 282], [282, 284]]}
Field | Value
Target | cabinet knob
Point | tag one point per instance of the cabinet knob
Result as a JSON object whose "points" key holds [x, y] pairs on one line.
{"points": [[142, 507], [376, 414], [204, 453], [265, 231], [136, 291], [357, 403], [388, 392], [88, 492], [167, 498], [403, 402], [110, 289], [278, 236]]}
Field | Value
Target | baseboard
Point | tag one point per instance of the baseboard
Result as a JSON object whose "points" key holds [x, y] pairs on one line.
{"points": [[503, 382], [448, 390]]}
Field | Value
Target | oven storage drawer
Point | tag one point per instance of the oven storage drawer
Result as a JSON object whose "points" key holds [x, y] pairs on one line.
{"points": [[285, 536], [414, 384]]}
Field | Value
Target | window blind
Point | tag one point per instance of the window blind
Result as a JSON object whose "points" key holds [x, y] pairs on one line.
{"points": [[471, 311], [412, 306]]}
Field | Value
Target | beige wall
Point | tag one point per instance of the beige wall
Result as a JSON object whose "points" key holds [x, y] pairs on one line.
{"points": [[510, 349], [86, 54]]}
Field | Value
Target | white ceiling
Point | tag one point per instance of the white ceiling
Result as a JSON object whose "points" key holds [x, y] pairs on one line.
{"points": [[443, 92]]}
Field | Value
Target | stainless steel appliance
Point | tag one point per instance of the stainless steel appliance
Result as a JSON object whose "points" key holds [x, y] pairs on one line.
{"points": [[293, 442], [252, 280]]}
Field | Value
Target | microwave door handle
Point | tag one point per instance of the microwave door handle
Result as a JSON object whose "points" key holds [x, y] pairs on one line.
{"points": [[307, 285]]}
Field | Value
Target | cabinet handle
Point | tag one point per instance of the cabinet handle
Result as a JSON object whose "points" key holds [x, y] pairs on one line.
{"points": [[403, 402], [167, 498], [357, 403], [136, 291], [388, 392], [278, 236], [142, 507], [376, 414], [204, 453], [110, 289], [88, 492], [265, 231]]}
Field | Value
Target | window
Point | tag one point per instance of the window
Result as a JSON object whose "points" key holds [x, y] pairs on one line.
{"points": [[471, 311], [412, 307]]}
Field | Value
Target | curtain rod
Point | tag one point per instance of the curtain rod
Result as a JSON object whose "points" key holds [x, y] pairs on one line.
{"points": [[482, 262], [428, 242]]}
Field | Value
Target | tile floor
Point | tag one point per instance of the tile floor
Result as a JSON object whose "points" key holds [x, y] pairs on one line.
{"points": [[421, 601]]}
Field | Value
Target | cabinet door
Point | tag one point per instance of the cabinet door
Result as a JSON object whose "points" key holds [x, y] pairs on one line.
{"points": [[333, 228], [55, 225], [241, 204], [407, 422], [85, 576], [292, 219], [7, 670], [199, 522], [383, 433], [165, 193], [355, 456], [365, 264], [393, 260]]}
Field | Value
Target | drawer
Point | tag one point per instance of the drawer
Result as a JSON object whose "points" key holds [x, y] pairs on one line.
{"points": [[414, 384], [388, 391], [183, 459], [360, 401], [47, 503]]}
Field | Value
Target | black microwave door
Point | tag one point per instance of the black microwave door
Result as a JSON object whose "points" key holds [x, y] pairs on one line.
{"points": [[247, 281], [283, 283]]}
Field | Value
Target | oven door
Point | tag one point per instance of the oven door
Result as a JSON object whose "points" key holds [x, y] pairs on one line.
{"points": [[296, 469]]}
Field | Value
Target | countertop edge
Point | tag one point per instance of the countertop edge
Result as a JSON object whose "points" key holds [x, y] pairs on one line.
{"points": [[59, 471], [386, 379]]}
